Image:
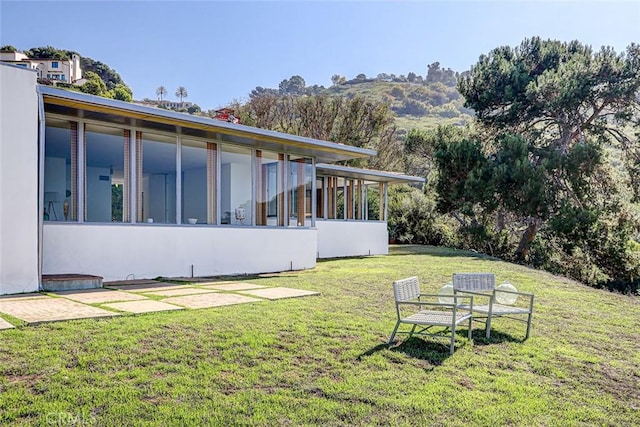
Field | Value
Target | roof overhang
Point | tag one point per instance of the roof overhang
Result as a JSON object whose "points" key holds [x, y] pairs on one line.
{"points": [[84, 106], [366, 174]]}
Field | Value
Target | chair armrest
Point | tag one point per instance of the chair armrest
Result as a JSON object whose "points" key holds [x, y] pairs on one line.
{"points": [[482, 294], [524, 294]]}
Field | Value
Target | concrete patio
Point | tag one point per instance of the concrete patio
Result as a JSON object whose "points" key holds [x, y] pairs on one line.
{"points": [[134, 297]]}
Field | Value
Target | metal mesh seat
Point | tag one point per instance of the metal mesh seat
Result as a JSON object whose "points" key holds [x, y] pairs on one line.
{"points": [[415, 308]]}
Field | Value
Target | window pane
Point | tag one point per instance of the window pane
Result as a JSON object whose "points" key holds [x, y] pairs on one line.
{"points": [[269, 188], [105, 173], [300, 188], [235, 186], [158, 179], [60, 170], [373, 201], [320, 197], [194, 181]]}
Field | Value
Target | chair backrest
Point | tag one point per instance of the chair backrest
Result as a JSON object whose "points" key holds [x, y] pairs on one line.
{"points": [[406, 289], [475, 282]]}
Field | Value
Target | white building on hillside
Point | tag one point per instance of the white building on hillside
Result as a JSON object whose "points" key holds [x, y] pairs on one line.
{"points": [[67, 71]]}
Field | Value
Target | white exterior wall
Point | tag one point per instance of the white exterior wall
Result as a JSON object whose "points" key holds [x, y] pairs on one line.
{"points": [[18, 181], [116, 252], [351, 238]]}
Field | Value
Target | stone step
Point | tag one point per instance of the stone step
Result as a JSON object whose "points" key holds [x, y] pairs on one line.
{"points": [[70, 282]]}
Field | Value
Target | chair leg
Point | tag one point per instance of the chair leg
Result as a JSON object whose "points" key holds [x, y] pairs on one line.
{"points": [[469, 332], [412, 331], [453, 338], [488, 329], [393, 334], [528, 326]]}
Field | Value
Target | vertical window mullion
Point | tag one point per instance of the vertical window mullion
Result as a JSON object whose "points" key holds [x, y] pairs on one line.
{"points": [[78, 172], [178, 195]]}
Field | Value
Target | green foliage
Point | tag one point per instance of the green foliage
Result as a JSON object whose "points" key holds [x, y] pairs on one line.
{"points": [[108, 75], [413, 218], [293, 86], [94, 85], [121, 92], [181, 93], [48, 52], [8, 48]]}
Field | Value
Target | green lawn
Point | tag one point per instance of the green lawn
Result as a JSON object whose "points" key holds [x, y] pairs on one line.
{"points": [[322, 360]]}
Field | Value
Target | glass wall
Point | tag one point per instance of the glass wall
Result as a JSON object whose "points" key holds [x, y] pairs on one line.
{"points": [[198, 176], [60, 170], [269, 188], [158, 181], [236, 201], [132, 176], [300, 191], [351, 199], [106, 182]]}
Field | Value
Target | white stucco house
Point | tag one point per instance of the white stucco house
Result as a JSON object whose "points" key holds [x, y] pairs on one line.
{"points": [[66, 71], [90, 185]]}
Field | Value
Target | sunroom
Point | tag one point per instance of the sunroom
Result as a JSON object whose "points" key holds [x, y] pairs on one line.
{"points": [[131, 191]]}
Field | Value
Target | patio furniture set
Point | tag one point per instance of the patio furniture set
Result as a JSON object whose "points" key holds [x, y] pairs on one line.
{"points": [[470, 297]]}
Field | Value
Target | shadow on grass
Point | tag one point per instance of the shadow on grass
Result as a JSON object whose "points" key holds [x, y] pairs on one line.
{"points": [[431, 350], [479, 337]]}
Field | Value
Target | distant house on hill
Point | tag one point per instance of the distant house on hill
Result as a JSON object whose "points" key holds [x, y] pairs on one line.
{"points": [[56, 70]]}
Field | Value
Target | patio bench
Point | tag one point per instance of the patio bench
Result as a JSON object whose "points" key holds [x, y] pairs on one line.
{"points": [[413, 309], [501, 300]]}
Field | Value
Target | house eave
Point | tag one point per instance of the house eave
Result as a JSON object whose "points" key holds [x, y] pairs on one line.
{"points": [[366, 174], [87, 106]]}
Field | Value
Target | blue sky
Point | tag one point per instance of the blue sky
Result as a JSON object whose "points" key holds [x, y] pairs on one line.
{"points": [[219, 51]]}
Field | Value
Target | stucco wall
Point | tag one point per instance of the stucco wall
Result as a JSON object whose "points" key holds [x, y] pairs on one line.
{"points": [[147, 251], [351, 238], [18, 180]]}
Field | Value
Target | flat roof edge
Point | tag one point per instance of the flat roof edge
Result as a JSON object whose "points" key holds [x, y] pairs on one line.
{"points": [[368, 174], [159, 114]]}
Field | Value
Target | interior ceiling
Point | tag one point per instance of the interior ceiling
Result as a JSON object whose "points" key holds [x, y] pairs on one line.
{"points": [[322, 154]]}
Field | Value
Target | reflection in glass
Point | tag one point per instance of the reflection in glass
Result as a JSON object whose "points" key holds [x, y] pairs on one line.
{"points": [[60, 170], [236, 202], [106, 197], [158, 186]]}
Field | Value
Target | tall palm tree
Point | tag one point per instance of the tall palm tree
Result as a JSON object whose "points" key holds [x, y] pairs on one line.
{"points": [[181, 93], [161, 91]]}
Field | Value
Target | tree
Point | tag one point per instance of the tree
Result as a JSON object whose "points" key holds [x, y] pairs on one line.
{"points": [[47, 52], [411, 77], [181, 93], [293, 86], [558, 96], [94, 85], [337, 79], [8, 48], [161, 92], [122, 93]]}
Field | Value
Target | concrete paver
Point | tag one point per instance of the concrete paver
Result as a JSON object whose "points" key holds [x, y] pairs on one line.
{"points": [[5, 325], [233, 286], [210, 300], [99, 296], [146, 306], [129, 282], [177, 292], [149, 287], [51, 309], [21, 297], [278, 293]]}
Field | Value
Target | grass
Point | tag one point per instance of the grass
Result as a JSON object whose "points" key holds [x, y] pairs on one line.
{"points": [[322, 360]]}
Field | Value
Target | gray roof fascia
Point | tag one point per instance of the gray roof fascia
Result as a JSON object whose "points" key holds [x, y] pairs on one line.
{"points": [[355, 152], [367, 174]]}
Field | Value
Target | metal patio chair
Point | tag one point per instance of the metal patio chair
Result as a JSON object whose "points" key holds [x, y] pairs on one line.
{"points": [[500, 301], [413, 308]]}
